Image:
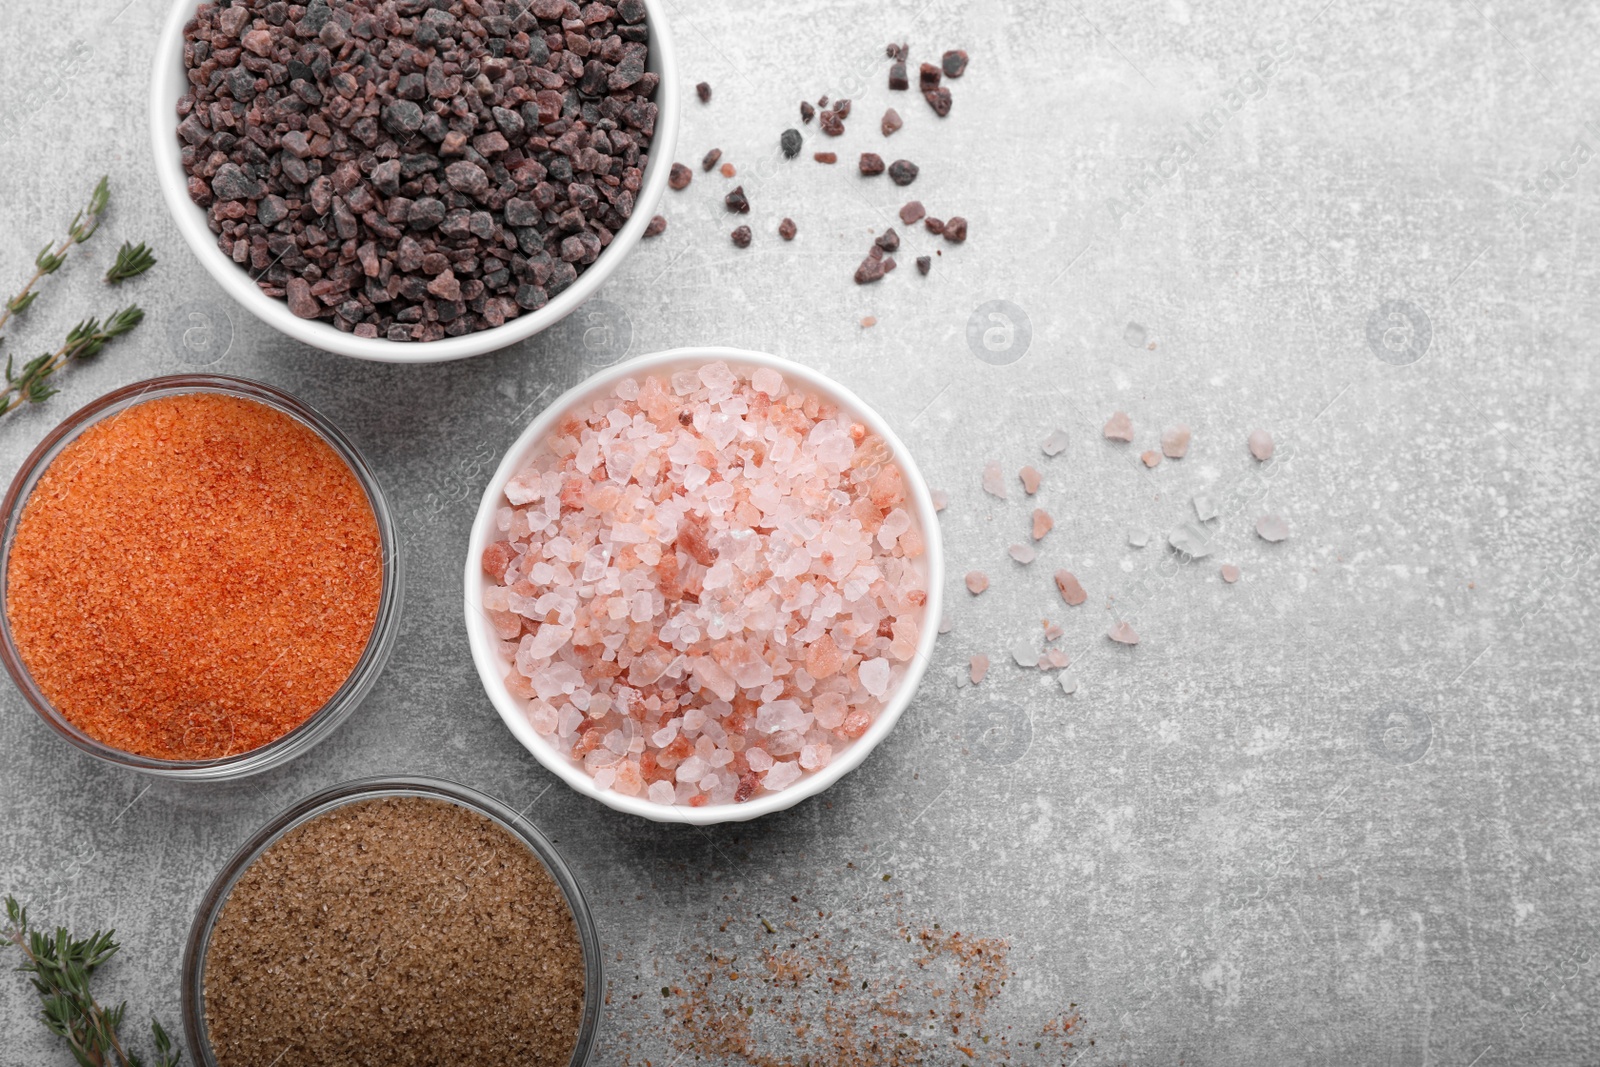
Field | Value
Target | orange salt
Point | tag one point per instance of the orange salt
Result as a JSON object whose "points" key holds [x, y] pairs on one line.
{"points": [[194, 577]]}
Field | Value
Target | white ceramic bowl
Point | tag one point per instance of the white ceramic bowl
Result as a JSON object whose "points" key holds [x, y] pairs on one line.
{"points": [[167, 84], [492, 667]]}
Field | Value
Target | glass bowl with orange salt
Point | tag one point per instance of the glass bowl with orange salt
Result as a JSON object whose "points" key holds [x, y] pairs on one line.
{"points": [[704, 584], [198, 577]]}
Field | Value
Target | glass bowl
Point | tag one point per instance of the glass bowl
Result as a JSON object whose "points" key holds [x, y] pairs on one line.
{"points": [[205, 920], [325, 720]]}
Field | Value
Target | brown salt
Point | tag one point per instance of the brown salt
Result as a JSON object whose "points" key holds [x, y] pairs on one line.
{"points": [[403, 932], [194, 577]]}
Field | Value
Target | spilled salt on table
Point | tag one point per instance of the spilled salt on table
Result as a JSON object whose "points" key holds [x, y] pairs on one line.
{"points": [[1175, 442], [979, 667], [1070, 589], [1118, 427], [1261, 445], [1030, 479], [1055, 444], [994, 483], [707, 583], [977, 582], [1023, 554], [1123, 634], [1042, 523], [1272, 528]]}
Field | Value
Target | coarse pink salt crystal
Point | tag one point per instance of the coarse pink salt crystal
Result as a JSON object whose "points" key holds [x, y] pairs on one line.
{"points": [[979, 668], [1150, 457], [977, 582], [1118, 427], [1123, 634], [1230, 573], [1052, 632], [1058, 658], [1272, 528], [1055, 443], [1023, 554], [702, 561], [1175, 441], [1030, 480], [1261, 445], [994, 482], [1042, 523], [941, 499], [1070, 589], [945, 625]]}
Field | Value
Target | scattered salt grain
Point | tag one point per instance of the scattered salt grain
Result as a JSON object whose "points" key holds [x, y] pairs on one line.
{"points": [[1023, 554], [1192, 539], [1024, 653], [1272, 528], [1118, 427], [1069, 588], [1030, 480], [1056, 443], [1069, 682], [1057, 658], [941, 499], [1150, 457], [977, 582], [994, 483], [945, 625], [1230, 573], [1205, 509], [1138, 538], [1052, 632], [1261, 445], [1175, 442], [979, 668], [1123, 634], [1042, 523]]}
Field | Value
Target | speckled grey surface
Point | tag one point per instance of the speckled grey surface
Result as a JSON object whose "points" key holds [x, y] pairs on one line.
{"points": [[1343, 811]]}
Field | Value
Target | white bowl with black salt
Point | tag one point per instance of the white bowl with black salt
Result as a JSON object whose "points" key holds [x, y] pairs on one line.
{"points": [[704, 584], [321, 250]]}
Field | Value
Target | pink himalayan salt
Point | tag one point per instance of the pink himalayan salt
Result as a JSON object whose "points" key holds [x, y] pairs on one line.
{"points": [[707, 584], [1055, 444], [979, 667], [1175, 442], [1030, 480], [994, 483], [1052, 632], [1042, 523], [1150, 457], [1272, 528], [1057, 658], [1123, 634], [941, 499], [1261, 445], [977, 582], [1230, 573], [1071, 591], [1023, 554], [1118, 427]]}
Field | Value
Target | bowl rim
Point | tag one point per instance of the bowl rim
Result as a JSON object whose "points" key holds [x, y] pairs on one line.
{"points": [[166, 86], [303, 811], [362, 677], [486, 658]]}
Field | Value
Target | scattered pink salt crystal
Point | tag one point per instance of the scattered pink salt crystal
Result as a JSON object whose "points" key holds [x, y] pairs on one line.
{"points": [[1057, 658], [1150, 457], [1272, 528], [1118, 427], [945, 625], [941, 499], [1123, 634], [1230, 573], [994, 483], [1030, 480], [1023, 554], [1052, 632], [1042, 523], [980, 667], [1175, 442], [1072, 592], [1261, 445], [977, 582], [1055, 444]]}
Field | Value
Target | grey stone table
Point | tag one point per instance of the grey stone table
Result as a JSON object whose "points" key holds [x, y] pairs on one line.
{"points": [[1341, 811]]}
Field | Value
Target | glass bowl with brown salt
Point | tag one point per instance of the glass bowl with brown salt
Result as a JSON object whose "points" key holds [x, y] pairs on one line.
{"points": [[199, 578], [395, 921], [704, 584]]}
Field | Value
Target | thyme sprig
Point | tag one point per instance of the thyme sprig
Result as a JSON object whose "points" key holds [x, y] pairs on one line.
{"points": [[60, 967], [132, 261], [85, 340], [52, 256]]}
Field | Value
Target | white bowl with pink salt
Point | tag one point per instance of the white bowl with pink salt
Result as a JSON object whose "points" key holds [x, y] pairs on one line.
{"points": [[704, 584]]}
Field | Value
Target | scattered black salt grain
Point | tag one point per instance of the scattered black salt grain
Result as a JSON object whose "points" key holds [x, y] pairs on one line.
{"points": [[742, 236], [679, 177], [897, 75], [889, 241], [786, 229], [955, 63], [872, 269], [897, 51], [832, 123], [955, 229], [807, 112], [891, 122], [928, 78], [933, 225], [903, 172], [924, 264], [939, 100], [842, 108], [790, 143], [871, 163], [912, 212], [704, 91], [737, 201], [711, 159], [825, 157], [655, 227]]}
